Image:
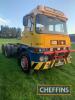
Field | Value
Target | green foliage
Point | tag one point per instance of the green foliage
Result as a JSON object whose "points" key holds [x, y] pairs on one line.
{"points": [[5, 41], [10, 32]]}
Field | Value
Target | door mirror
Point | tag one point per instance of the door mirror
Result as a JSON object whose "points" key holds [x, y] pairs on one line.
{"points": [[25, 21]]}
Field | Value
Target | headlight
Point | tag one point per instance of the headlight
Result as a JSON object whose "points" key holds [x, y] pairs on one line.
{"points": [[64, 48], [58, 48], [40, 50], [41, 58], [51, 49], [46, 58]]}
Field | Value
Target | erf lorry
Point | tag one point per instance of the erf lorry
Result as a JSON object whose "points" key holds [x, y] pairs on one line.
{"points": [[45, 42]]}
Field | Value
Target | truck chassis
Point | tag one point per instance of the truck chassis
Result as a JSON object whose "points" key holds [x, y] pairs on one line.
{"points": [[28, 60]]}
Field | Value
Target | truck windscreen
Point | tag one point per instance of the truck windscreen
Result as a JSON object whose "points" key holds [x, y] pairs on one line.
{"points": [[46, 24]]}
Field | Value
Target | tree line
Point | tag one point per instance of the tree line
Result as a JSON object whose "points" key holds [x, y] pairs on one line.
{"points": [[10, 32]]}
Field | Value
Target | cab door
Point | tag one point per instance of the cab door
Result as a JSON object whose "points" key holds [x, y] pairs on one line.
{"points": [[28, 30]]}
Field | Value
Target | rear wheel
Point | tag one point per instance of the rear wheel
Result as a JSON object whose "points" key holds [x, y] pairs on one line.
{"points": [[7, 51], [3, 49]]}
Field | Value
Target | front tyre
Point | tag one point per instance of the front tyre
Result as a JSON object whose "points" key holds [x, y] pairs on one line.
{"points": [[25, 63]]}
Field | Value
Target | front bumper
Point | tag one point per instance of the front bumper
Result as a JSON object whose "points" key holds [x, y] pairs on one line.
{"points": [[56, 60], [50, 64]]}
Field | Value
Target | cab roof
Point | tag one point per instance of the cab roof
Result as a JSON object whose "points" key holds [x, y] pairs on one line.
{"points": [[49, 12]]}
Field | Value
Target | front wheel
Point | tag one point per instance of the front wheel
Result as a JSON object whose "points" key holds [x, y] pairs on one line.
{"points": [[25, 63]]}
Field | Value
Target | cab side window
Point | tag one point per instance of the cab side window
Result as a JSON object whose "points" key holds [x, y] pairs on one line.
{"points": [[29, 23]]}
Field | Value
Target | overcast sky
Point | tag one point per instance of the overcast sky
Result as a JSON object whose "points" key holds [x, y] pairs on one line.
{"points": [[12, 11]]}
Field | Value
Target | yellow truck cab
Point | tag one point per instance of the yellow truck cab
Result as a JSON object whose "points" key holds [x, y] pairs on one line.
{"points": [[45, 42], [45, 28], [46, 32]]}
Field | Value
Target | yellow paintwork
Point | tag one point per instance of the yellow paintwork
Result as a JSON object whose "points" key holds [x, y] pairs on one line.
{"points": [[47, 65], [53, 62], [38, 66], [34, 39], [65, 61], [32, 63], [43, 40]]}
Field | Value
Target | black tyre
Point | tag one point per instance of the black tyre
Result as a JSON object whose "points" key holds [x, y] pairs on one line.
{"points": [[3, 49], [13, 50], [8, 51], [25, 62]]}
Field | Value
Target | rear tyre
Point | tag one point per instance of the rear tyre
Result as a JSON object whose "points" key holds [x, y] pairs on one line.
{"points": [[25, 62], [3, 49], [8, 51]]}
